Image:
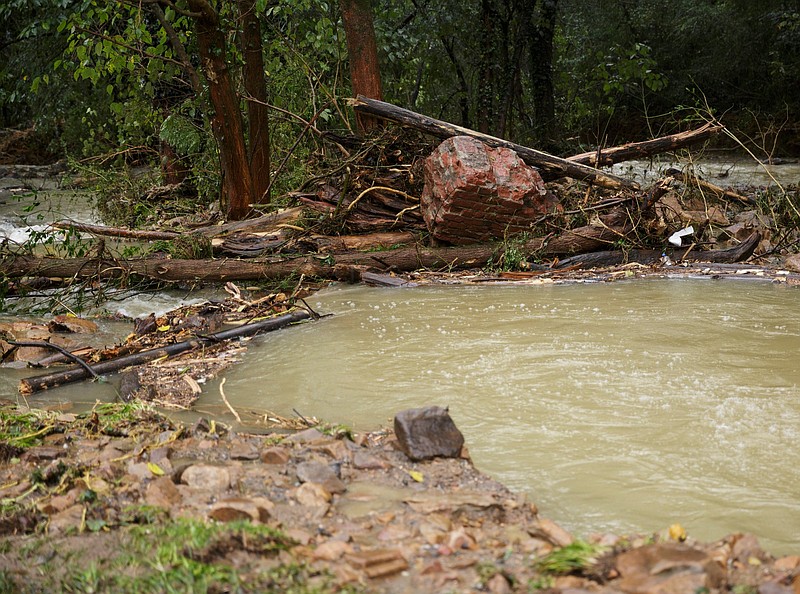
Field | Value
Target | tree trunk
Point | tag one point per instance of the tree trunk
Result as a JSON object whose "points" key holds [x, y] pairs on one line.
{"points": [[237, 185], [551, 167], [362, 51], [541, 34], [485, 99], [255, 85]]}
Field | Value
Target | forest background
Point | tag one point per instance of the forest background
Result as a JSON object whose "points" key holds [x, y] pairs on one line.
{"points": [[131, 82]]}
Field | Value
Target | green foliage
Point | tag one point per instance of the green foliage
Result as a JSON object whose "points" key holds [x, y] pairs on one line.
{"points": [[24, 428], [512, 254], [574, 558]]}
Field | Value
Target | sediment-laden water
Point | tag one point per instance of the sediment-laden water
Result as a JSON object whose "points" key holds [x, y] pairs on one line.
{"points": [[617, 407]]}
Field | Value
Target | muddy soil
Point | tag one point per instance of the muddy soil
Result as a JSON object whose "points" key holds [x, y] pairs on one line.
{"points": [[125, 499]]}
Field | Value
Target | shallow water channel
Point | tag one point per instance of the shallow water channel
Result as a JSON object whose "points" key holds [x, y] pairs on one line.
{"points": [[617, 407]]}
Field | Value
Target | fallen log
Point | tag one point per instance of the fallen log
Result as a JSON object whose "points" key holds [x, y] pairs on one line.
{"points": [[738, 253], [32, 385], [647, 148], [405, 259], [116, 231], [266, 222], [551, 167], [708, 186]]}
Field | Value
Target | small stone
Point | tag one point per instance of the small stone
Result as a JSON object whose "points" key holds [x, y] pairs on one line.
{"points": [[312, 495], [364, 461], [243, 450], [159, 454], [498, 584], [667, 568], [255, 509], [425, 433], [139, 470], [275, 456], [40, 453], [162, 492], [68, 519], [334, 448], [746, 548], [552, 532], [300, 536], [322, 474], [57, 504], [787, 563], [305, 436], [332, 550], [459, 539], [775, 587], [792, 262], [207, 477]]}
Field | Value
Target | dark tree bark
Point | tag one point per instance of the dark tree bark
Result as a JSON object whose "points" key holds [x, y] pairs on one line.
{"points": [[542, 25], [362, 51], [255, 86], [226, 122], [485, 99]]}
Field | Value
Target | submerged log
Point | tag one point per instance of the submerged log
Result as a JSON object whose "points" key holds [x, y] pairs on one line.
{"points": [[738, 253], [43, 382], [551, 167], [647, 148]]}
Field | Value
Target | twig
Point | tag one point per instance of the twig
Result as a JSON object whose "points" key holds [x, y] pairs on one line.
{"points": [[405, 210], [225, 400], [383, 188], [49, 345], [305, 420]]}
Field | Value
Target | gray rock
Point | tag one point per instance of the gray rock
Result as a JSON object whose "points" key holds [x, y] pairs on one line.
{"points": [[425, 433], [321, 474], [207, 476]]}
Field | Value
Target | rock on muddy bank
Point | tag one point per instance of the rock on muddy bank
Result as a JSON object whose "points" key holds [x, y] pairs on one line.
{"points": [[125, 499]]}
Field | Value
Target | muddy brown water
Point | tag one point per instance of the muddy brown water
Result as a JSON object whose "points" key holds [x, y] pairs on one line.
{"points": [[618, 407], [622, 407]]}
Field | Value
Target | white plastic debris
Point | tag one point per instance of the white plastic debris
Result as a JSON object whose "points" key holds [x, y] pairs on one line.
{"points": [[675, 238]]}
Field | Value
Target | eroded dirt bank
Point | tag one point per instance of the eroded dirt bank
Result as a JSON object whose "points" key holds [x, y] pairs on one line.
{"points": [[125, 499]]}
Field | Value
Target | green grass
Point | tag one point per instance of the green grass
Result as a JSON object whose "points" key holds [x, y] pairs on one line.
{"points": [[573, 558], [185, 556]]}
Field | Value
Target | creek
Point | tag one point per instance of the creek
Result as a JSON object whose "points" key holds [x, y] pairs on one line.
{"points": [[618, 407]]}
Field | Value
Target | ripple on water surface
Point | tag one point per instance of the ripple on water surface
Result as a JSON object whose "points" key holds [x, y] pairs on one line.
{"points": [[621, 407]]}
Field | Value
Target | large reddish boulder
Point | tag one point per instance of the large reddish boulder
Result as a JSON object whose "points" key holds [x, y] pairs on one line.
{"points": [[474, 193]]}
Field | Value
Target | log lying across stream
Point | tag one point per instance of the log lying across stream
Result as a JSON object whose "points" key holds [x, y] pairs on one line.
{"points": [[330, 266], [59, 378]]}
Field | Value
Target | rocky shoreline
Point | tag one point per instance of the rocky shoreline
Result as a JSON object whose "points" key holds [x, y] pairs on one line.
{"points": [[125, 499]]}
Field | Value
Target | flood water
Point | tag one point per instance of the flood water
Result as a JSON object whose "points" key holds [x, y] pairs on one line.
{"points": [[617, 407]]}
